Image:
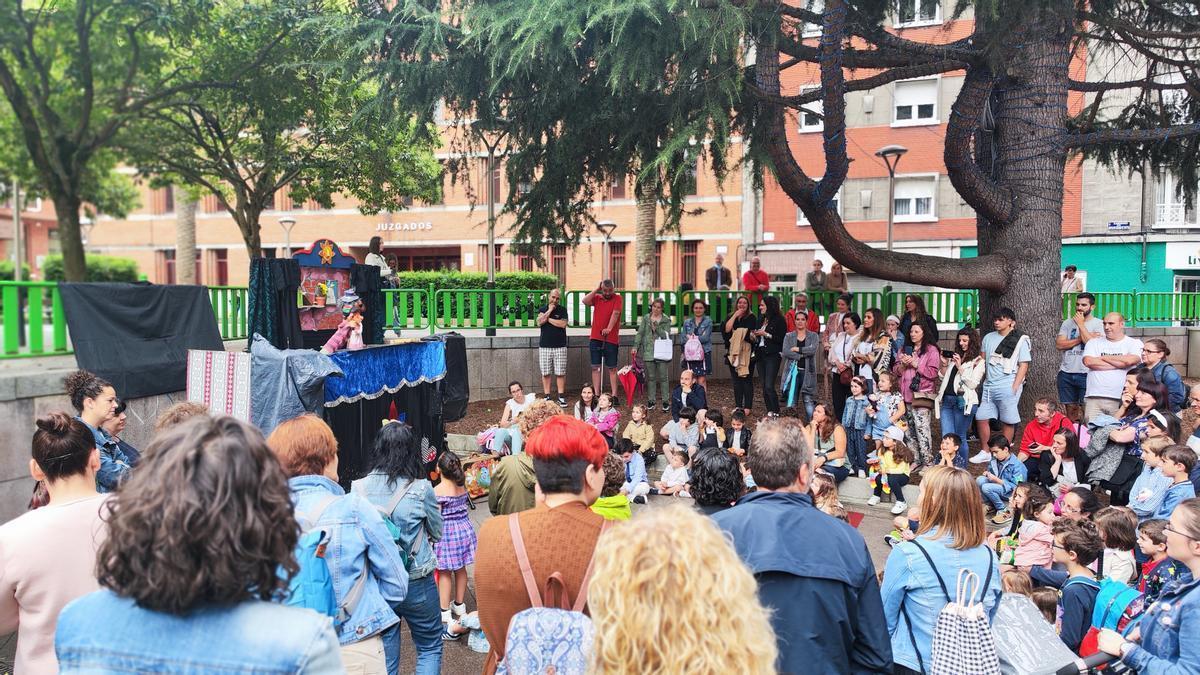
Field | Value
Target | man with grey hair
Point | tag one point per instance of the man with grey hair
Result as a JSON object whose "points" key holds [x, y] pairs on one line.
{"points": [[818, 581]]}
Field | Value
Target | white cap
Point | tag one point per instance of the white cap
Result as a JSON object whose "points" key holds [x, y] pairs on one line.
{"points": [[895, 433]]}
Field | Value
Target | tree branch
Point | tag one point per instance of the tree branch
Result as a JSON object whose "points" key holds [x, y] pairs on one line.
{"points": [[992, 201], [862, 84], [1131, 135], [1144, 83]]}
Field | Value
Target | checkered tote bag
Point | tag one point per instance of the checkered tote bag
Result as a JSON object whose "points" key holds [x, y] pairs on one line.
{"points": [[962, 638]]}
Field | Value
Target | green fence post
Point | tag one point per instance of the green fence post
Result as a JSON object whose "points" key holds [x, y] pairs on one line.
{"points": [[1133, 308], [10, 298], [429, 309]]}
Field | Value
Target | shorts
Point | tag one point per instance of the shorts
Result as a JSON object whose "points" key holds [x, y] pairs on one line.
{"points": [[1071, 387], [552, 360], [700, 368], [602, 349], [999, 403]]}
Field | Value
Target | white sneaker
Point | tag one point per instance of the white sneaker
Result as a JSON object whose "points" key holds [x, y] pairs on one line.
{"points": [[899, 507], [981, 457], [862, 474], [873, 500]]}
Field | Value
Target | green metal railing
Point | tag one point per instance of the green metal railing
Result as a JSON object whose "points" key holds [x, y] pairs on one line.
{"points": [[34, 323]]}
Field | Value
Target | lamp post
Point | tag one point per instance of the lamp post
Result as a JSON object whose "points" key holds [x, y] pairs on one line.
{"points": [[492, 144], [18, 231], [287, 223], [606, 228], [891, 155]]}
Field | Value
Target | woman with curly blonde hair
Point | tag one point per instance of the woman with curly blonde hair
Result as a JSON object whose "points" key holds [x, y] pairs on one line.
{"points": [[655, 610]]}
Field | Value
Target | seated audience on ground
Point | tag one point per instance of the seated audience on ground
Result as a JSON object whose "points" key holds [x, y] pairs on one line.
{"points": [[178, 413], [951, 533], [684, 433], [1115, 448], [398, 487], [640, 432], [827, 438], [1151, 485], [637, 483], [645, 624], [715, 481], [586, 406], [738, 435], [890, 470], [1038, 435], [612, 503], [508, 433], [674, 478], [712, 434], [825, 496], [688, 395], [1063, 466], [950, 452], [606, 419], [1118, 531], [114, 426], [559, 534], [1177, 464], [1166, 638], [1077, 545], [95, 402], [840, 628], [201, 545], [48, 556], [512, 487], [1017, 582], [1080, 503], [1160, 569], [1003, 473], [1035, 538], [369, 577]]}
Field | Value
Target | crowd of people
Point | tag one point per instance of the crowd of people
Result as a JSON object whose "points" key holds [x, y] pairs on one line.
{"points": [[239, 551]]}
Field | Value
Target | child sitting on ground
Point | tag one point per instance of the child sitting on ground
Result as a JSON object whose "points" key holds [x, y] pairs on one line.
{"points": [[636, 485], [891, 469], [1046, 600], [1016, 581], [1077, 545], [641, 433], [825, 496], [606, 418], [713, 433], [612, 503], [737, 436], [902, 531], [1005, 543], [685, 433], [674, 478], [1118, 531], [1035, 547], [1158, 570], [949, 452], [1004, 472], [1177, 464], [1151, 485]]}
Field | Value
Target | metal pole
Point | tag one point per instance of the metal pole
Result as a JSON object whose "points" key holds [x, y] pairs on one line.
{"points": [[491, 239], [891, 218], [18, 258]]}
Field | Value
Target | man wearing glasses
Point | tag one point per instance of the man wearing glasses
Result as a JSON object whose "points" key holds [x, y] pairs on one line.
{"points": [[1072, 337], [1108, 358]]}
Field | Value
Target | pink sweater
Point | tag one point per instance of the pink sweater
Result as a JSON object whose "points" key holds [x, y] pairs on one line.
{"points": [[47, 559], [606, 422], [1036, 545]]}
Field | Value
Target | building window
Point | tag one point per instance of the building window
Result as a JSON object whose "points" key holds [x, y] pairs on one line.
{"points": [[692, 180], [163, 201], [210, 204], [918, 12], [813, 29], [558, 263], [616, 189], [687, 262], [915, 103], [168, 267], [810, 114], [283, 201], [836, 203], [524, 262], [495, 182], [495, 256], [915, 199], [1171, 211], [616, 263], [220, 267], [658, 245]]}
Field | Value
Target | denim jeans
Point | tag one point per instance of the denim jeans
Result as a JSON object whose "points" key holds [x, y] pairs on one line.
{"points": [[421, 609], [511, 437], [856, 449], [955, 422], [768, 371], [994, 493]]}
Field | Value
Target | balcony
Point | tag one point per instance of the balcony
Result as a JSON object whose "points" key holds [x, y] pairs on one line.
{"points": [[1174, 216]]}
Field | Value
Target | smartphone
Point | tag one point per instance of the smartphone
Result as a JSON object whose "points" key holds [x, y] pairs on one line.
{"points": [[908, 350], [947, 353]]}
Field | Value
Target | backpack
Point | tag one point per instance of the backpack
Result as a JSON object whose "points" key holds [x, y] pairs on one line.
{"points": [[962, 636], [548, 639], [312, 585], [410, 554], [1118, 607], [692, 349]]}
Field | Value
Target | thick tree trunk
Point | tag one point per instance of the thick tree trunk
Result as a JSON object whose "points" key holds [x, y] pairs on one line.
{"points": [[185, 236], [645, 232], [1030, 160], [251, 230], [67, 207]]}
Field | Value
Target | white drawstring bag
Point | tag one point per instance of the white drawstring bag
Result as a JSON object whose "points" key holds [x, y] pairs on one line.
{"points": [[962, 638]]}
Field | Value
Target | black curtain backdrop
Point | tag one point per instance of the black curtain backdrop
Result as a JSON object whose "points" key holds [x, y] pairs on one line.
{"points": [[355, 425], [137, 336], [274, 283]]}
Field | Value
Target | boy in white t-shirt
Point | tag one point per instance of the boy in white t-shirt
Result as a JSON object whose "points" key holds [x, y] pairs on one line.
{"points": [[1107, 360], [675, 477]]}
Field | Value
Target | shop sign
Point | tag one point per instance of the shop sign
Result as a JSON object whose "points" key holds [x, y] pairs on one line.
{"points": [[403, 227], [1183, 255]]}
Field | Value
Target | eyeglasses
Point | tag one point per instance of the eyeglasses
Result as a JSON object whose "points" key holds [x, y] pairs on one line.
{"points": [[1070, 509], [1151, 351], [1182, 534], [1058, 546]]}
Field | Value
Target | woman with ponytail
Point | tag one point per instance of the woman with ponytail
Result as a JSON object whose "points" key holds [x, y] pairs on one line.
{"points": [[96, 402]]}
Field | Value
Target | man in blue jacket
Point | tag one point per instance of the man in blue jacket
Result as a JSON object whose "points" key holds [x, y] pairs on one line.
{"points": [[813, 570]]}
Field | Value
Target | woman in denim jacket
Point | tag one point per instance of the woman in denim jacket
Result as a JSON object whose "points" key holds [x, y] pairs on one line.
{"points": [[1167, 640], [200, 543], [360, 548], [399, 479], [950, 538]]}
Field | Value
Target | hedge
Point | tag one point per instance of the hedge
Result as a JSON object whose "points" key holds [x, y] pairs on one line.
{"points": [[6, 271], [99, 268], [514, 281]]}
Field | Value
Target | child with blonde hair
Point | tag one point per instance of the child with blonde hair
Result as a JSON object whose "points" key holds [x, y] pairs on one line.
{"points": [[641, 433], [890, 470]]}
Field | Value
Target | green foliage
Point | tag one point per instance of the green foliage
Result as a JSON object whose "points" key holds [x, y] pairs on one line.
{"points": [[6, 270], [504, 280], [302, 129], [99, 268]]}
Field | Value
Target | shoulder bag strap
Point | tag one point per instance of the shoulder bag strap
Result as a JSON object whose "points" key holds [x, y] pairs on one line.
{"points": [[514, 528], [904, 609], [398, 496], [987, 580], [581, 599], [421, 532], [313, 516]]}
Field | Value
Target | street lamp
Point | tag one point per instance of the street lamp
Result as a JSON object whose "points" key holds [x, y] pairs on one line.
{"points": [[492, 144], [287, 223], [891, 155], [606, 228]]}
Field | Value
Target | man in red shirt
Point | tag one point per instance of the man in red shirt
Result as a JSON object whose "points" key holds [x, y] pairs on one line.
{"points": [[1038, 436], [800, 306], [756, 282], [606, 333]]}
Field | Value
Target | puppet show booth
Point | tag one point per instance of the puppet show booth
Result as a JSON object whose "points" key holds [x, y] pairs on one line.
{"points": [[317, 327]]}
